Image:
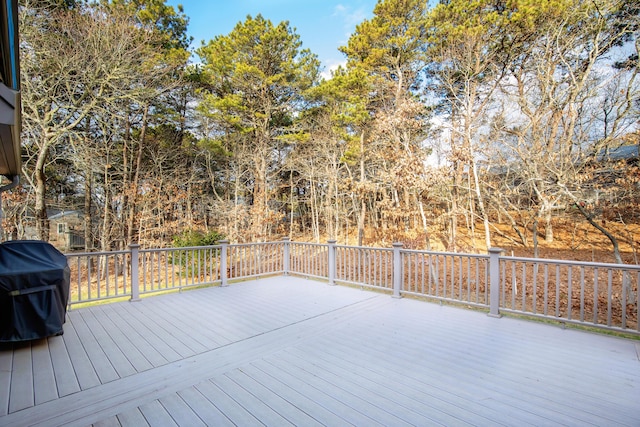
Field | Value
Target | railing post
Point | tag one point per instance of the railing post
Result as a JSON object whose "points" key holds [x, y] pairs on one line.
{"points": [[135, 276], [224, 245], [397, 269], [332, 262], [494, 278], [287, 253]]}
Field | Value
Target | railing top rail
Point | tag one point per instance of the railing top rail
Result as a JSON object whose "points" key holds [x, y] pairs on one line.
{"points": [[458, 254], [572, 263], [185, 248], [364, 247], [237, 245], [81, 254], [309, 244]]}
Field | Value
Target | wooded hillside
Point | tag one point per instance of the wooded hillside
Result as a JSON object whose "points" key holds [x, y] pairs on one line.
{"points": [[467, 125]]}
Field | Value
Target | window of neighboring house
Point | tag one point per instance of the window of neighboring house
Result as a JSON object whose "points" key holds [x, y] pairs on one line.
{"points": [[62, 227]]}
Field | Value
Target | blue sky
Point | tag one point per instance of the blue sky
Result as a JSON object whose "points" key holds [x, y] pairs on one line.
{"points": [[323, 25]]}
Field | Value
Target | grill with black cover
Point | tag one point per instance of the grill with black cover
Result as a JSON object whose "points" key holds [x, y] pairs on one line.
{"points": [[34, 290]]}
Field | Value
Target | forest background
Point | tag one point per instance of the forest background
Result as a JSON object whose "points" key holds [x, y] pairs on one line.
{"points": [[461, 126]]}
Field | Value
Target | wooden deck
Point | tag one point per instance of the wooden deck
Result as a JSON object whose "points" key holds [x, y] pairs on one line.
{"points": [[289, 351]]}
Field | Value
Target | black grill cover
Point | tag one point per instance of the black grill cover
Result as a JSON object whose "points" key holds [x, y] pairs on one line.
{"points": [[34, 288]]}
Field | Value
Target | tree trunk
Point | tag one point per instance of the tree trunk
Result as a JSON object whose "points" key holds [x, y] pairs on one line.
{"points": [[363, 203], [291, 204], [611, 237], [42, 220], [485, 218], [424, 226], [133, 201], [548, 227], [454, 209], [535, 237], [259, 207], [126, 179], [361, 218], [88, 191], [105, 235]]}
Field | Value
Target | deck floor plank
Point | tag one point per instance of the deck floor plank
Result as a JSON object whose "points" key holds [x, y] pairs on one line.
{"points": [[117, 356], [147, 318], [206, 410], [290, 351], [132, 418], [108, 422], [22, 393], [102, 401], [410, 402], [248, 401], [301, 380], [126, 352], [349, 393], [273, 400], [513, 371], [235, 412], [193, 329], [201, 314], [44, 379], [274, 383], [497, 382], [180, 411], [147, 355], [377, 370], [6, 367], [83, 368], [469, 370], [155, 414], [99, 360], [419, 396], [153, 336], [170, 328], [65, 376], [231, 317]]}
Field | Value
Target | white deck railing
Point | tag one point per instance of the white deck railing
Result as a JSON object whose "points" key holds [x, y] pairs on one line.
{"points": [[593, 294]]}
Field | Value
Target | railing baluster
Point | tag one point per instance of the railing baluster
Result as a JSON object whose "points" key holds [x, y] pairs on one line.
{"points": [[596, 275], [546, 289], [134, 257], [638, 302], [557, 290], [468, 262], [535, 288], [569, 292], [624, 299], [609, 296], [422, 273], [514, 285], [494, 274], [582, 294], [503, 281], [429, 273], [444, 276]]}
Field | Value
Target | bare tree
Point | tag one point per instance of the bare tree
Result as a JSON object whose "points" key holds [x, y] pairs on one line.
{"points": [[75, 63], [547, 124]]}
